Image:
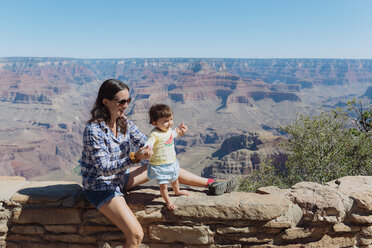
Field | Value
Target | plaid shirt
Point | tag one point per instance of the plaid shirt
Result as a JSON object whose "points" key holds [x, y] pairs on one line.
{"points": [[105, 157]]}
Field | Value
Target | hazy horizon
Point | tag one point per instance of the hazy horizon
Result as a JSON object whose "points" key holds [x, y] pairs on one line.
{"points": [[222, 58]]}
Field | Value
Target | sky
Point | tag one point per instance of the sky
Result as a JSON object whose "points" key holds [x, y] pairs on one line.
{"points": [[186, 28]]}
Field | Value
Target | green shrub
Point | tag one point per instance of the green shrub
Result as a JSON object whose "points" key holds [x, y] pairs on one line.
{"points": [[265, 175], [320, 149]]}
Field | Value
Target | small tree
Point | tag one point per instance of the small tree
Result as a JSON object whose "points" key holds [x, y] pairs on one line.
{"points": [[321, 148], [325, 147], [363, 113]]}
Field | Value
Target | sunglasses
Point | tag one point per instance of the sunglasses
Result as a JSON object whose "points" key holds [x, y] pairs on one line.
{"points": [[123, 101]]}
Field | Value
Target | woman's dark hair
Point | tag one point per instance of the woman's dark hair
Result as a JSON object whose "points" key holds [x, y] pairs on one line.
{"points": [[100, 112], [158, 111]]}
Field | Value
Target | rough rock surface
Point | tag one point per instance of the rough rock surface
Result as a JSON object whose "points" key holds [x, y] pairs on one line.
{"points": [[56, 214]]}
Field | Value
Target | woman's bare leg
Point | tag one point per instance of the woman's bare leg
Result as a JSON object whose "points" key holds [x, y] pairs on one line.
{"points": [[118, 212], [188, 178], [137, 176]]}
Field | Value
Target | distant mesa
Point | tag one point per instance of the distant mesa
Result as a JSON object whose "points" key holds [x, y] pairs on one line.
{"points": [[239, 155], [19, 97], [28, 98], [62, 125], [368, 93], [243, 141], [276, 96], [201, 67]]}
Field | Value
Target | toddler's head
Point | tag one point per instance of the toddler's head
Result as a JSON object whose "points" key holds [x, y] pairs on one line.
{"points": [[161, 116]]}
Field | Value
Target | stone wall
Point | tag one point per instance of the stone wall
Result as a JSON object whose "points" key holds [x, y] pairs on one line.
{"points": [[55, 214]]}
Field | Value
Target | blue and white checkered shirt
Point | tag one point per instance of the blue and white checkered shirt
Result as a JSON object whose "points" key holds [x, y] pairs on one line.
{"points": [[105, 158]]}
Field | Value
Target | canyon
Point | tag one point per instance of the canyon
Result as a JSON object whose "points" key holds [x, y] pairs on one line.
{"points": [[45, 102]]}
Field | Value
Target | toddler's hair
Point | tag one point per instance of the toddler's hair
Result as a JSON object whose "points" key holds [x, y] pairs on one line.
{"points": [[158, 111]]}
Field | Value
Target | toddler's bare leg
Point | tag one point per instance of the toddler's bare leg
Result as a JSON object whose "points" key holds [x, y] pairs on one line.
{"points": [[165, 195], [176, 189]]}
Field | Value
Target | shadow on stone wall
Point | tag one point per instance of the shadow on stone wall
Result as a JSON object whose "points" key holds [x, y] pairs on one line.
{"points": [[56, 214]]}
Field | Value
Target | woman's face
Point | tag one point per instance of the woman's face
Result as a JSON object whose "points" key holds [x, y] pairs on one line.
{"points": [[118, 105]]}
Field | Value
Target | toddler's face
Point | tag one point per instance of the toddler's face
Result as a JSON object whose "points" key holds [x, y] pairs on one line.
{"points": [[164, 123]]}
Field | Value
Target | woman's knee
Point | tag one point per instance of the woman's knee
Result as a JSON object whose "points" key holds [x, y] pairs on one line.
{"points": [[135, 237], [139, 236]]}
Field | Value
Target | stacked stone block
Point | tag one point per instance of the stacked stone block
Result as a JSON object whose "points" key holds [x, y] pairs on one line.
{"points": [[56, 214]]}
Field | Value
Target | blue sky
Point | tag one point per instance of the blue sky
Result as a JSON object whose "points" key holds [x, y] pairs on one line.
{"points": [[192, 28]]}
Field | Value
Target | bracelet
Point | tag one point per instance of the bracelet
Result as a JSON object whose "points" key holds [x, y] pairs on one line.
{"points": [[133, 158]]}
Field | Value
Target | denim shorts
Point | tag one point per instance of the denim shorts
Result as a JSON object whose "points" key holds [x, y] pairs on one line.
{"points": [[164, 173], [98, 198]]}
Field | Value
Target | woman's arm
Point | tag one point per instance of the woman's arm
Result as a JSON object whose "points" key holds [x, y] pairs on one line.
{"points": [[96, 145], [137, 138]]}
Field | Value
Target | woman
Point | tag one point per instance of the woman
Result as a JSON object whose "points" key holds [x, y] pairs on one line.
{"points": [[107, 161]]}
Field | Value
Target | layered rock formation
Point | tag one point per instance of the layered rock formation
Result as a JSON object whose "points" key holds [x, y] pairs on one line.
{"points": [[308, 215], [240, 154], [45, 101]]}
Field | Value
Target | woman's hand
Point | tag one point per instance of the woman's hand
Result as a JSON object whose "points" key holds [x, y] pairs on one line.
{"points": [[144, 152]]}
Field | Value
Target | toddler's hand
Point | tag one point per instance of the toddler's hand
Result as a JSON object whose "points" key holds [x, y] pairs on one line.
{"points": [[183, 129]]}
